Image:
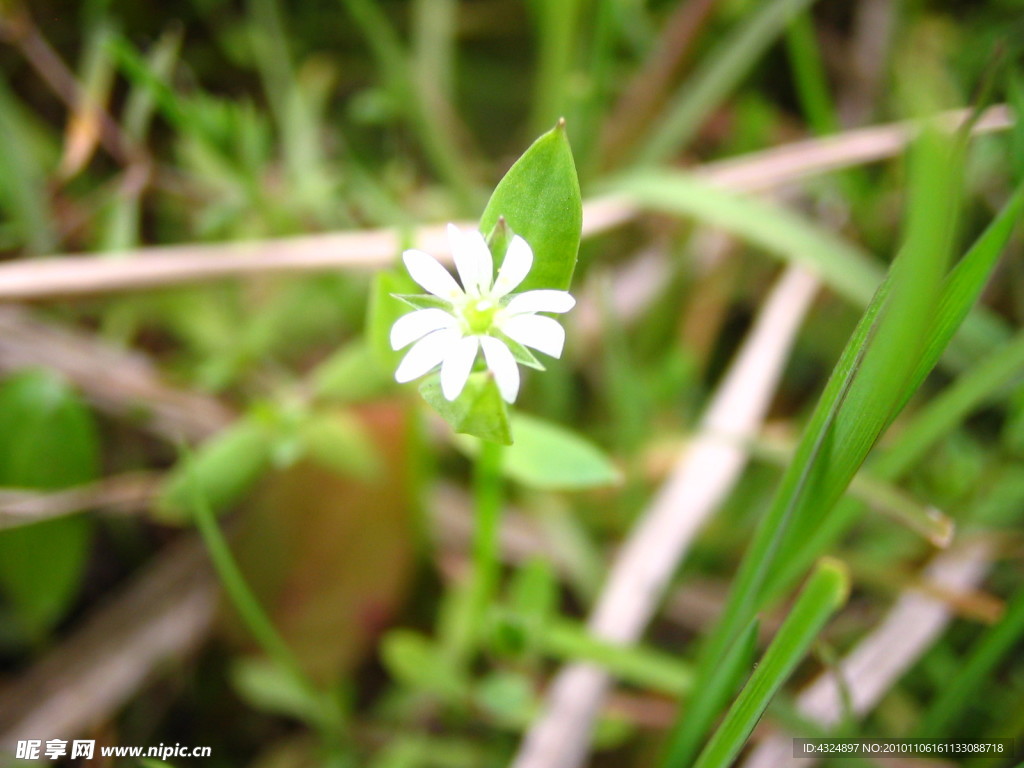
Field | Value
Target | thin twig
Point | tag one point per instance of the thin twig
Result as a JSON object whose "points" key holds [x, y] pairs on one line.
{"points": [[698, 484], [126, 494], [114, 380], [160, 617], [141, 268]]}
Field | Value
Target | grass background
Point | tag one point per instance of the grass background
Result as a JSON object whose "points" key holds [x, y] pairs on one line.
{"points": [[347, 510]]}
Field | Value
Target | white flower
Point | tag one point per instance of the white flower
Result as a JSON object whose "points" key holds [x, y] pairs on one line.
{"points": [[480, 315]]}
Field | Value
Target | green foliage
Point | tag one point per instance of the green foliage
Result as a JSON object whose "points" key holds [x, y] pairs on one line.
{"points": [[548, 457], [224, 468], [453, 596], [539, 198], [824, 594], [48, 441], [478, 411]]}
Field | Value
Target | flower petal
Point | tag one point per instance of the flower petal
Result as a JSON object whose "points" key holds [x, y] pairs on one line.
{"points": [[541, 333], [428, 272], [472, 259], [457, 365], [503, 365], [514, 269], [541, 301], [427, 353], [415, 325]]}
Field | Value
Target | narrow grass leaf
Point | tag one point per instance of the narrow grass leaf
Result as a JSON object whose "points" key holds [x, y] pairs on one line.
{"points": [[825, 593], [716, 77]]}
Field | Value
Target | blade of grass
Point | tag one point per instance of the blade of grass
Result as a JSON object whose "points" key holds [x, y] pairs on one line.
{"points": [[961, 289], [825, 593], [809, 75], [860, 400], [557, 25], [635, 665], [981, 659], [844, 267], [880, 495], [716, 77], [448, 159], [23, 185]]}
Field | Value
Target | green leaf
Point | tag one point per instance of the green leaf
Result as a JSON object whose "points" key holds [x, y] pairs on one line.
{"points": [[825, 593], [478, 411], [224, 468], [873, 379], [548, 457], [266, 686], [415, 661], [385, 306], [48, 441], [539, 199], [338, 441]]}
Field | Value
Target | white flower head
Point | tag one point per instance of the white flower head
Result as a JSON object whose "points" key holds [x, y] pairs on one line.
{"points": [[481, 315]]}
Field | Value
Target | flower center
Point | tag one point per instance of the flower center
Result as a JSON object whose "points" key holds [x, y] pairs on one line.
{"points": [[479, 315]]}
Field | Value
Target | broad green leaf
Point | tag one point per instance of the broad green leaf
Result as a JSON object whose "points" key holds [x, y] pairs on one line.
{"points": [[478, 411], [48, 441], [825, 593], [223, 468], [539, 198], [552, 458]]}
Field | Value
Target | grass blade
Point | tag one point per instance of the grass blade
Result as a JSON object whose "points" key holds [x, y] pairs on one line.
{"points": [[868, 387], [716, 77], [825, 593]]}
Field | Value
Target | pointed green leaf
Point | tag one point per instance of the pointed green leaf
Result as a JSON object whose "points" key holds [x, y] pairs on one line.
{"points": [[551, 458], [478, 411], [539, 198]]}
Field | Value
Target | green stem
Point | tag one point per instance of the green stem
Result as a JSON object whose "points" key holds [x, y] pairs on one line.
{"points": [[472, 602], [486, 537], [325, 717]]}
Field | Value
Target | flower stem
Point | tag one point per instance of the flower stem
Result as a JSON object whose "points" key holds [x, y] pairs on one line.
{"points": [[473, 601], [486, 539]]}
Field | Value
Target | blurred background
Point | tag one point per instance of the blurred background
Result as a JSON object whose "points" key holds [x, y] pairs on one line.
{"points": [[202, 205]]}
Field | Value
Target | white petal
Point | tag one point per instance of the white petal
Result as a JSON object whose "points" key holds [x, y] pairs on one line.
{"points": [[541, 301], [427, 353], [514, 269], [415, 325], [503, 365], [428, 272], [457, 365], [541, 333], [472, 259]]}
